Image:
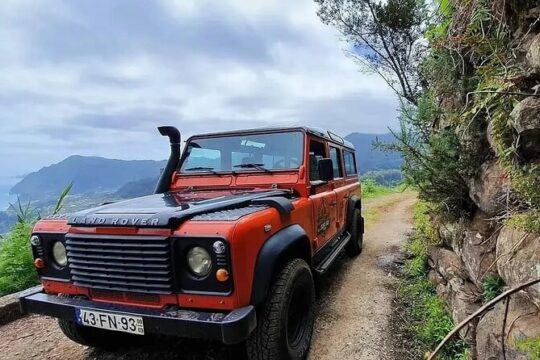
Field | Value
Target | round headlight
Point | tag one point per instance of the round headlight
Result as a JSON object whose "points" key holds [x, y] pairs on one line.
{"points": [[199, 261], [59, 254]]}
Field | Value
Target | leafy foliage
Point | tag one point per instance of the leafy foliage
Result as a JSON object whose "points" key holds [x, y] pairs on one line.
{"points": [[385, 38], [492, 287], [17, 270]]}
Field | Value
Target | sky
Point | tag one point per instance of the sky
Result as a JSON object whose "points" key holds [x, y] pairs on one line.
{"points": [[95, 77]]}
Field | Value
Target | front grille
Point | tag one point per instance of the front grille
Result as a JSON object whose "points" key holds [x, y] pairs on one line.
{"points": [[121, 263]]}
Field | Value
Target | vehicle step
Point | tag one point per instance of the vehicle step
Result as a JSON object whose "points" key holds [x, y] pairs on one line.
{"points": [[329, 259]]}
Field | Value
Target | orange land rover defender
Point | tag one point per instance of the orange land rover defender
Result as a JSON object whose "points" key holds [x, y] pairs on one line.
{"points": [[226, 249]]}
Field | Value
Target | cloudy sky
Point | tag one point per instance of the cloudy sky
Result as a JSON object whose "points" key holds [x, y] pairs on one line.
{"points": [[96, 77]]}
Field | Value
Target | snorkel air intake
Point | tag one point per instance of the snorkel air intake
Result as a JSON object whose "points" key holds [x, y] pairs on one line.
{"points": [[164, 182]]}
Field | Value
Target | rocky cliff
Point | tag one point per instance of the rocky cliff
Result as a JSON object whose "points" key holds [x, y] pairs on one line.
{"points": [[493, 108]]}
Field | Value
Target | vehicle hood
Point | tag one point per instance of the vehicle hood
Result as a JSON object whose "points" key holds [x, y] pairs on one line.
{"points": [[169, 209]]}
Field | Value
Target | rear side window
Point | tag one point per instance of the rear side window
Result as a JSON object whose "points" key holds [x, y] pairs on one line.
{"points": [[350, 163], [335, 155]]}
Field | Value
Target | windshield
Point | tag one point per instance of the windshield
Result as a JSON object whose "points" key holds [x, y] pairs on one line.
{"points": [[255, 152]]}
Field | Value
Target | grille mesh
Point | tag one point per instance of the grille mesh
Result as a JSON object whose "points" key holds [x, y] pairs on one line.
{"points": [[122, 263]]}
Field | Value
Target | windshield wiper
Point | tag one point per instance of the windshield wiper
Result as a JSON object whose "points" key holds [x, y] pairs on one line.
{"points": [[201, 168], [253, 166]]}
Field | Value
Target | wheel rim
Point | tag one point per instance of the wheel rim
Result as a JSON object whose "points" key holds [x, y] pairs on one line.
{"points": [[298, 315]]}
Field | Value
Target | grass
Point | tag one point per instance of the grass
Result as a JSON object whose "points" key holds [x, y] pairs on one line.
{"points": [[531, 347], [370, 189], [428, 319]]}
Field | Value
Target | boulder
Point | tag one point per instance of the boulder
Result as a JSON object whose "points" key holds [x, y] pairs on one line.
{"points": [[463, 300], [452, 234], [446, 263], [479, 243], [522, 323], [533, 54], [435, 278], [490, 188], [518, 255], [526, 121]]}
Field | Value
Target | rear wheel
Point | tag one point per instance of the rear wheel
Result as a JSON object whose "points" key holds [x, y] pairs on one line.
{"points": [[97, 338], [286, 318], [354, 247]]}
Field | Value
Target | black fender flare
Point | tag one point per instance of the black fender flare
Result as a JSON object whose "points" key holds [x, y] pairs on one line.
{"points": [[277, 249], [355, 202]]}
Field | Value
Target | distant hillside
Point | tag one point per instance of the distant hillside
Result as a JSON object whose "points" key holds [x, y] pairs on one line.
{"points": [[89, 174], [370, 159], [137, 188]]}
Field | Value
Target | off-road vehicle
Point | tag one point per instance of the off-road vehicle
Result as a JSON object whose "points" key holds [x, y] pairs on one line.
{"points": [[226, 249]]}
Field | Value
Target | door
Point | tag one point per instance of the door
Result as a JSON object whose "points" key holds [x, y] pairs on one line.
{"points": [[323, 197], [340, 187]]}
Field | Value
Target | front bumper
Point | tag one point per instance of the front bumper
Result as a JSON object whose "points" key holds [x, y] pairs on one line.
{"points": [[230, 328]]}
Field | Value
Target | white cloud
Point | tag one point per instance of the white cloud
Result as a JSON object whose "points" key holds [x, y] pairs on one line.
{"points": [[96, 77]]}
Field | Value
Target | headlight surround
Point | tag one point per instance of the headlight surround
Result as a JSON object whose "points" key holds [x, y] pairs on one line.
{"points": [[59, 254], [199, 261]]}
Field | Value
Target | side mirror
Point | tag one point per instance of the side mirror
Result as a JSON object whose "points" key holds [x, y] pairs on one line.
{"points": [[326, 169]]}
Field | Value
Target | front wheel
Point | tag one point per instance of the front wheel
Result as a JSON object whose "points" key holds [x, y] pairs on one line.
{"points": [[286, 319]]}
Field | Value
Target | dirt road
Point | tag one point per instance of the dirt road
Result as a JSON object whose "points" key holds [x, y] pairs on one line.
{"points": [[354, 307]]}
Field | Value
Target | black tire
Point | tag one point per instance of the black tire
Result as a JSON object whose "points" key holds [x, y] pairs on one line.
{"points": [[285, 321], [98, 338], [354, 247]]}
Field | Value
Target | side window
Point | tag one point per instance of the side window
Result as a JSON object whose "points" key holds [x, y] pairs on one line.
{"points": [[317, 151], [335, 155], [350, 163]]}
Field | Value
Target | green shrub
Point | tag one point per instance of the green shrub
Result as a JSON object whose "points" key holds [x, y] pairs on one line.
{"points": [[17, 270], [492, 287]]}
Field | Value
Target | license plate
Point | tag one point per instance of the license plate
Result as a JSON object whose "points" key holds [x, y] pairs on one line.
{"points": [[110, 321]]}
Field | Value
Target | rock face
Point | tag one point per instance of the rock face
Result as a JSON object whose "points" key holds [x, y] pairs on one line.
{"points": [[533, 55], [476, 243], [499, 336], [490, 189], [526, 121], [452, 235], [464, 300], [518, 256], [447, 263], [478, 252]]}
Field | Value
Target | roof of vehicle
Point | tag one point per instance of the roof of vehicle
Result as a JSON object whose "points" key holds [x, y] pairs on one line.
{"points": [[327, 135]]}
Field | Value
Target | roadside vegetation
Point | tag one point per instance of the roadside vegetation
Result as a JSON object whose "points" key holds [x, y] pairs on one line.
{"points": [[424, 316], [371, 188], [17, 270]]}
